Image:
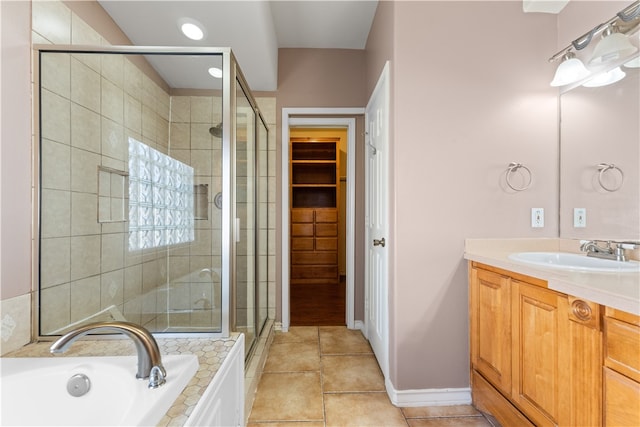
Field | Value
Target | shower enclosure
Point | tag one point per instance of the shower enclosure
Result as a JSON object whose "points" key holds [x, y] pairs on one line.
{"points": [[152, 191]]}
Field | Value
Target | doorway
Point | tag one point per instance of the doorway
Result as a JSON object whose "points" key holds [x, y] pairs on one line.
{"points": [[326, 118], [317, 195]]}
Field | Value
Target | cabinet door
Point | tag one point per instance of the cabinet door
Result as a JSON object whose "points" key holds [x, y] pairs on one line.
{"points": [[491, 327], [622, 400], [622, 348], [622, 369], [557, 365], [537, 333]]}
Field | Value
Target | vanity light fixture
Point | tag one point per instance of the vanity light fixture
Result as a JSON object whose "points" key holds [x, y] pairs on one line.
{"points": [[570, 70], [613, 46], [604, 79], [215, 72], [191, 28]]}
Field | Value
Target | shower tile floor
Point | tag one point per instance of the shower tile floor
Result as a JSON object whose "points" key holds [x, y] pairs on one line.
{"points": [[328, 376]]}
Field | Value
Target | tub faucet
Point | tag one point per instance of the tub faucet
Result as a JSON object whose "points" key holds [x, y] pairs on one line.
{"points": [[149, 359]]}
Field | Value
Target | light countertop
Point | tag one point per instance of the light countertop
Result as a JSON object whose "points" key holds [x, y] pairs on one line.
{"points": [[616, 290]]}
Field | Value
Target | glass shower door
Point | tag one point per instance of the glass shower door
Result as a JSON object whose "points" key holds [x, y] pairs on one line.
{"points": [[130, 170], [245, 219]]}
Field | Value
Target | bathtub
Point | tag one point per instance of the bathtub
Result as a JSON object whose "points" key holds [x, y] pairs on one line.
{"points": [[34, 391]]}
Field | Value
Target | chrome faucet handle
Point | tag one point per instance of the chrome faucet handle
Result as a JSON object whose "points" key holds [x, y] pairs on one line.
{"points": [[157, 377], [619, 253], [622, 246], [628, 245]]}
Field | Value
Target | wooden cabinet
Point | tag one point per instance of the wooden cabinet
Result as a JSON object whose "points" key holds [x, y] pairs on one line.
{"points": [[490, 328], [535, 353], [314, 246], [622, 369], [314, 167]]}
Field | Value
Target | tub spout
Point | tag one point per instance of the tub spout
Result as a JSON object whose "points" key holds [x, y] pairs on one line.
{"points": [[149, 357]]}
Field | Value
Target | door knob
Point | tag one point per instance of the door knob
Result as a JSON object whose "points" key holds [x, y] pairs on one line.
{"points": [[380, 242]]}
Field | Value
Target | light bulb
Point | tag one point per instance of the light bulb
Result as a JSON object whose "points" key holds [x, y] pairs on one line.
{"points": [[570, 70]]}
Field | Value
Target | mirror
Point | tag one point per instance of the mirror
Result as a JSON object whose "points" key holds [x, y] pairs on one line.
{"points": [[600, 160]]}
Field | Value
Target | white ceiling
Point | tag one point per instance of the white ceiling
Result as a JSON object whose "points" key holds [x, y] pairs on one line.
{"points": [[253, 29]]}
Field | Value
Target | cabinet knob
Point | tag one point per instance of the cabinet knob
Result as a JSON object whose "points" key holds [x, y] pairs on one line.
{"points": [[581, 310], [379, 242]]}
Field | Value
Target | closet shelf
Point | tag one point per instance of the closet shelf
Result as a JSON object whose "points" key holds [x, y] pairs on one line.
{"points": [[314, 187]]}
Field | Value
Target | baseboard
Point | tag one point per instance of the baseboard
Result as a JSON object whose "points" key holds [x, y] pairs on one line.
{"points": [[429, 397], [278, 327], [359, 325]]}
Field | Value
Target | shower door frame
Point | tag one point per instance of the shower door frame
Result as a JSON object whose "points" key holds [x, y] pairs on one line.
{"points": [[231, 73], [258, 120]]}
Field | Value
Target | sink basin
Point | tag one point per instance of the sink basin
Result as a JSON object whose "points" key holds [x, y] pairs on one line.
{"points": [[115, 396], [569, 261]]}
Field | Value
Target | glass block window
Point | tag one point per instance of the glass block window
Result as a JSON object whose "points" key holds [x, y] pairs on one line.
{"points": [[160, 199]]}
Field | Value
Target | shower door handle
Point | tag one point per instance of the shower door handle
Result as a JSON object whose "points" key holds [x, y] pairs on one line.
{"points": [[379, 242]]}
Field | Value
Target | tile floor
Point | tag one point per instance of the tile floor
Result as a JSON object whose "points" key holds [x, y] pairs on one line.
{"points": [[328, 376]]}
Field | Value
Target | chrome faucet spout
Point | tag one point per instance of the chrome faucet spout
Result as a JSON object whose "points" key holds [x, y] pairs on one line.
{"points": [[146, 346], [592, 246]]}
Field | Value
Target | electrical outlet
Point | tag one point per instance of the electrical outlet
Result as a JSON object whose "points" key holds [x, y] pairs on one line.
{"points": [[579, 217], [537, 217]]}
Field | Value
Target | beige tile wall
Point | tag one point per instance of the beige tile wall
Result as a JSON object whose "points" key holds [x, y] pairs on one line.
{"points": [[91, 103], [195, 282]]}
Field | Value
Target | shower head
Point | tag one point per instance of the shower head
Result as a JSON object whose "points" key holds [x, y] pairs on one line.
{"points": [[216, 130]]}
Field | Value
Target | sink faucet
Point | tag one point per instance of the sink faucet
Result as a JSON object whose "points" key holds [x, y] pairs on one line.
{"points": [[149, 359], [616, 253]]}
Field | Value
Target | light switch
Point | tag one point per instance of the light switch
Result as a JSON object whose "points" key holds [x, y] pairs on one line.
{"points": [[579, 217], [537, 217]]}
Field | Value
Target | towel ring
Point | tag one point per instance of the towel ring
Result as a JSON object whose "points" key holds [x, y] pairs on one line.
{"points": [[513, 166], [604, 167]]}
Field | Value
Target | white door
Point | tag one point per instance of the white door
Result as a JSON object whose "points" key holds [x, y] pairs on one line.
{"points": [[377, 221]]}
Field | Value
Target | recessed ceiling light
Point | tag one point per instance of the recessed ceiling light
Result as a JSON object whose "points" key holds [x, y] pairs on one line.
{"points": [[191, 28], [215, 72]]}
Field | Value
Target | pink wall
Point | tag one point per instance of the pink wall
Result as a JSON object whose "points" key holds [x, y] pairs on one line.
{"points": [[317, 78], [15, 150], [380, 43], [321, 78], [470, 95]]}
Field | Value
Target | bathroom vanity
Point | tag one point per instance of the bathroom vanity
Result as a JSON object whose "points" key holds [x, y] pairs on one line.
{"points": [[542, 356]]}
